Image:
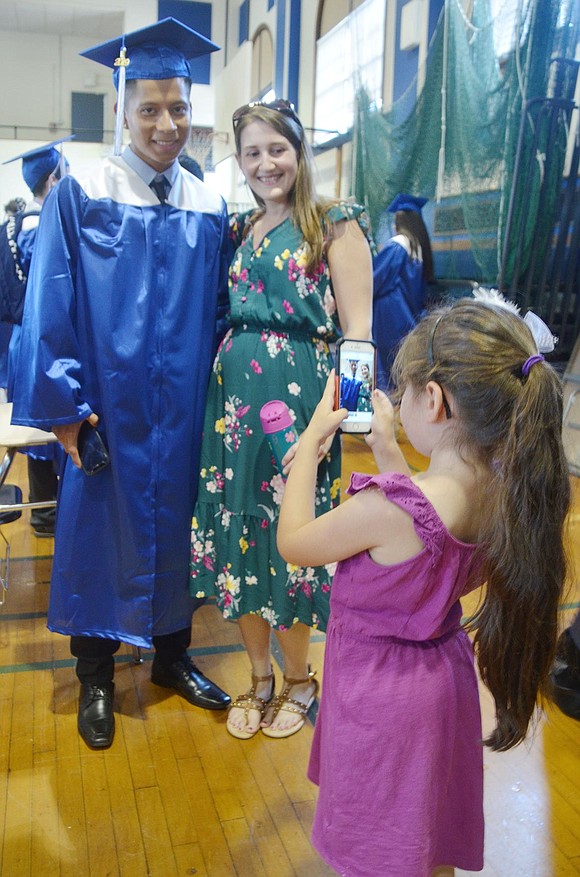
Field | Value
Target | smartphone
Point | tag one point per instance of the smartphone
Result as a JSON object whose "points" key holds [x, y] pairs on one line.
{"points": [[92, 449], [355, 382]]}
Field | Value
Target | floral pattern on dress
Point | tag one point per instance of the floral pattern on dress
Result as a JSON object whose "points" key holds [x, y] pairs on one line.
{"points": [[282, 322]]}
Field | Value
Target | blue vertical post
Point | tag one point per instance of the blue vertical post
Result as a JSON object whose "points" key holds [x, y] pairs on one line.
{"points": [[279, 84], [294, 51]]}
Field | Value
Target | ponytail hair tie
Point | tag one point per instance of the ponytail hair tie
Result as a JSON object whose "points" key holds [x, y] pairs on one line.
{"points": [[530, 361]]}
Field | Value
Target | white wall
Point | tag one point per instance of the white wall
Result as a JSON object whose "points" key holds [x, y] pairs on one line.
{"points": [[41, 96], [35, 102]]}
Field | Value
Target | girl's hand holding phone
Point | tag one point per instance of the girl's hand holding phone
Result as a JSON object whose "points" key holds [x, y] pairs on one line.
{"points": [[382, 421], [382, 439], [326, 419]]}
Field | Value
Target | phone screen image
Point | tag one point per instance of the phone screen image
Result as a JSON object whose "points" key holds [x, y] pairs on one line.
{"points": [[355, 375]]}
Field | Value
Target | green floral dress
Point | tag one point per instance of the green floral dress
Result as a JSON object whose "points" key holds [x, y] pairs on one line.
{"points": [[282, 322]]}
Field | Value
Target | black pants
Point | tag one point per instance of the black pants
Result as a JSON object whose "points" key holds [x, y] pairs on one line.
{"points": [[95, 663], [43, 484]]}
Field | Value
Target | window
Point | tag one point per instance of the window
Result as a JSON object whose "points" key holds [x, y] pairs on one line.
{"points": [[262, 63], [505, 15], [350, 53], [87, 116]]}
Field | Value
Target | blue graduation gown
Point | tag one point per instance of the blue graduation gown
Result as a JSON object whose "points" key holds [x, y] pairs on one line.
{"points": [[119, 320], [349, 392], [399, 292]]}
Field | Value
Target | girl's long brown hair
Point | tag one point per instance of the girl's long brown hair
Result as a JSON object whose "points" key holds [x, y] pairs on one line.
{"points": [[410, 223], [512, 423]]}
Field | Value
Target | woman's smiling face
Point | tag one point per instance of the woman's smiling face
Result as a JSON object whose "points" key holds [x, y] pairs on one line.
{"points": [[269, 162]]}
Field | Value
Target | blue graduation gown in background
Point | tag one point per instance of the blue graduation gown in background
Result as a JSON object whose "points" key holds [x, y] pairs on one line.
{"points": [[5, 333], [399, 293], [26, 241], [120, 320]]}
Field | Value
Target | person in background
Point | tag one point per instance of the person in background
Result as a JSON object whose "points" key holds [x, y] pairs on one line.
{"points": [[397, 751], [42, 168], [15, 205], [119, 330], [283, 320], [191, 165], [401, 271]]}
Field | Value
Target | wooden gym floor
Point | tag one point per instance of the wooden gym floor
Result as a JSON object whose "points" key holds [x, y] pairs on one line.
{"points": [[176, 795]]}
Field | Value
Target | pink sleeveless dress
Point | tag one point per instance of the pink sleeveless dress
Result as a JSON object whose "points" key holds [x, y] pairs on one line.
{"points": [[397, 749]]}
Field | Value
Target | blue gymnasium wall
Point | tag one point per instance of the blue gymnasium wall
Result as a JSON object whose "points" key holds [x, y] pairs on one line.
{"points": [[198, 17], [279, 52], [406, 62], [294, 51], [288, 18]]}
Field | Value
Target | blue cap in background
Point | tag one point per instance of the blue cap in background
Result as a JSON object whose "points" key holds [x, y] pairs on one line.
{"points": [[38, 163], [406, 202]]}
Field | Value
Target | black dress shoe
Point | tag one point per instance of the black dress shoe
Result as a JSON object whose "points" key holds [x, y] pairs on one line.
{"points": [[96, 720], [190, 682], [565, 676], [44, 532]]}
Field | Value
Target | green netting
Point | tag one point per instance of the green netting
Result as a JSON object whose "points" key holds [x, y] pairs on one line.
{"points": [[458, 142]]}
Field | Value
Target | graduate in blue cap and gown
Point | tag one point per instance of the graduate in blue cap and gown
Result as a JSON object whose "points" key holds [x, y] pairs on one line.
{"points": [[42, 168], [127, 278], [401, 271]]}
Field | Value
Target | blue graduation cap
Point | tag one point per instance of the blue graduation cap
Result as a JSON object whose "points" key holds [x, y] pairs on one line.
{"points": [[159, 51], [406, 202], [38, 163]]}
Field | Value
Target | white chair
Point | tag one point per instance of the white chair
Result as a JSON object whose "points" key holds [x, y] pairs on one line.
{"points": [[14, 438]]}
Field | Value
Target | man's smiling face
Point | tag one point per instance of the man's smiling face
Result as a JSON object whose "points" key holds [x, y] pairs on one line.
{"points": [[158, 116]]}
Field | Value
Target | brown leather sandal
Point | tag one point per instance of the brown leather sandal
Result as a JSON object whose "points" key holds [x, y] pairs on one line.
{"points": [[284, 702], [250, 701]]}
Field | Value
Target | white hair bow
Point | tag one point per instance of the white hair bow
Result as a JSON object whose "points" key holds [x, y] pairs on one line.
{"points": [[545, 341]]}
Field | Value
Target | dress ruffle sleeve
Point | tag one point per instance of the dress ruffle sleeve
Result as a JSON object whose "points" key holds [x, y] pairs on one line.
{"points": [[345, 211], [403, 492]]}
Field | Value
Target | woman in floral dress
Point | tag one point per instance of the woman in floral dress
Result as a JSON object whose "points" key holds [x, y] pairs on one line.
{"points": [[366, 391], [297, 261]]}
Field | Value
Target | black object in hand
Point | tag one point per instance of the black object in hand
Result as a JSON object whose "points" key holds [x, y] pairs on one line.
{"points": [[92, 449]]}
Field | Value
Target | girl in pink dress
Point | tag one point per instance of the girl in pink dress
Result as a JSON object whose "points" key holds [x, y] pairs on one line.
{"points": [[397, 750]]}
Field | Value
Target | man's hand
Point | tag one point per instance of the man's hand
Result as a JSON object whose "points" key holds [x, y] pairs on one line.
{"points": [[68, 433]]}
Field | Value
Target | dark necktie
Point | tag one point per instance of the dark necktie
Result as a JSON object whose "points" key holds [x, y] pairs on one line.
{"points": [[161, 187]]}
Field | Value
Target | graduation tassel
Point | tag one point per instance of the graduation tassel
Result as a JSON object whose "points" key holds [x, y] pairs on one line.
{"points": [[122, 63], [62, 165]]}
